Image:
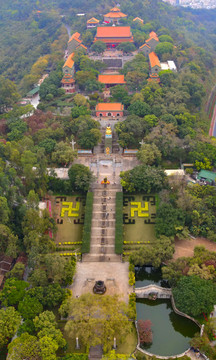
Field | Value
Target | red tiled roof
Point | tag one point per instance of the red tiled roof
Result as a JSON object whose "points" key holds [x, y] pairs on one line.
{"points": [[75, 36], [109, 107], [153, 59], [111, 79], [113, 32], [69, 62]]}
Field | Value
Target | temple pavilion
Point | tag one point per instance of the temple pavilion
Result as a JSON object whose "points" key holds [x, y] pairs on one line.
{"points": [[114, 16]]}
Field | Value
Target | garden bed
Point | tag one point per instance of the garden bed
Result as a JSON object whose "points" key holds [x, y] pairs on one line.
{"points": [[68, 212], [139, 213]]}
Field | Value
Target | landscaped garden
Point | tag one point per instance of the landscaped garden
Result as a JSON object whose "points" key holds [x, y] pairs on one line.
{"points": [[139, 213], [68, 212]]}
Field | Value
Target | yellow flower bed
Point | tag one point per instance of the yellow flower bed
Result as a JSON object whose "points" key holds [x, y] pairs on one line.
{"points": [[69, 254], [70, 243], [136, 242]]}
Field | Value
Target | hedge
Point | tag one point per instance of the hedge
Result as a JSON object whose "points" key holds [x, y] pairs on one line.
{"points": [[87, 224], [119, 223]]}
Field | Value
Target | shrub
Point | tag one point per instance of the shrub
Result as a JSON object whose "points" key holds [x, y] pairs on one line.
{"points": [[119, 223], [87, 223]]}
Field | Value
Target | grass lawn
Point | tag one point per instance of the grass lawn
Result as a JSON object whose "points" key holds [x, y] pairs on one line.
{"points": [[68, 211], [139, 221], [130, 342], [71, 342]]}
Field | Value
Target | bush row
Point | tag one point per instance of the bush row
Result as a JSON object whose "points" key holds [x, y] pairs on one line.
{"points": [[87, 223], [119, 223]]}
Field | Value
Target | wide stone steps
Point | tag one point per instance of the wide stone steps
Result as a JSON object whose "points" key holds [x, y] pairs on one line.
{"points": [[101, 258]]}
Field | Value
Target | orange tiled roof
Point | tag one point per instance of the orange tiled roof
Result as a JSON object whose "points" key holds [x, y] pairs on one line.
{"points": [[153, 59], [153, 37], [109, 107], [113, 32], [111, 79], [75, 36], [137, 18], [153, 34], [93, 21], [115, 15], [67, 79], [83, 46], [69, 62], [116, 40], [145, 45], [115, 9]]}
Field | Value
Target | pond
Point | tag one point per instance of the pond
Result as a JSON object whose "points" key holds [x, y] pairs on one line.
{"points": [[146, 275], [171, 332]]}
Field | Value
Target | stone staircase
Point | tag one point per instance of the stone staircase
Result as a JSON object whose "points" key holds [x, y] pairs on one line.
{"points": [[103, 225]]}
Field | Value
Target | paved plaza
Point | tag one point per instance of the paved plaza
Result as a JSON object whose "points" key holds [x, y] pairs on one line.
{"points": [[114, 274]]}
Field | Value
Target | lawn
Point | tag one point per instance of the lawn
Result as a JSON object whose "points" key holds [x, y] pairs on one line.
{"points": [[129, 344], [139, 212], [68, 212]]}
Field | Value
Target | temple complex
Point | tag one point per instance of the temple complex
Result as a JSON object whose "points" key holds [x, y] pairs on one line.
{"points": [[114, 16], [113, 36]]}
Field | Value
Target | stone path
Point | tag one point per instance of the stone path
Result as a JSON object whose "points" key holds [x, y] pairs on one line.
{"points": [[103, 225]]}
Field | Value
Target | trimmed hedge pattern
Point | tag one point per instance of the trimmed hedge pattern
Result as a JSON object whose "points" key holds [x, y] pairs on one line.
{"points": [[87, 223], [119, 224]]}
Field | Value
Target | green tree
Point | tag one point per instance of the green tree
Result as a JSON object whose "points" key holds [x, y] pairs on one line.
{"points": [[139, 108], [9, 322], [63, 153], [168, 220], [97, 320], [4, 210], [25, 347], [165, 38], [120, 94], [87, 38], [8, 94], [98, 47], [149, 154], [194, 296], [29, 307], [17, 271], [126, 47], [155, 254], [13, 292], [48, 144], [80, 177], [164, 48], [143, 179], [48, 348]]}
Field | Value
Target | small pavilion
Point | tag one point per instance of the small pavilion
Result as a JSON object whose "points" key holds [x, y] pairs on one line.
{"points": [[114, 16]]}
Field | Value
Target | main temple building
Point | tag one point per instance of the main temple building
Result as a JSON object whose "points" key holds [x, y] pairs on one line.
{"points": [[112, 36]]}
